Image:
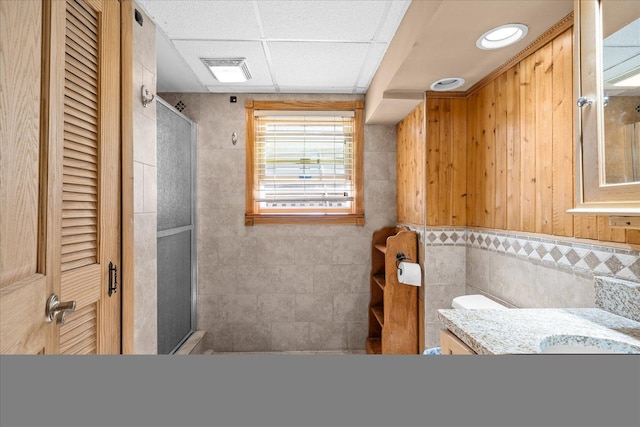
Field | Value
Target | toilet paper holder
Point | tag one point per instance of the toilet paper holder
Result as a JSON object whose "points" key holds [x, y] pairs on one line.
{"points": [[400, 257]]}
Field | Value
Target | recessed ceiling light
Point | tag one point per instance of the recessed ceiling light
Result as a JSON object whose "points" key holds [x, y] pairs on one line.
{"points": [[502, 36], [228, 70], [449, 83]]}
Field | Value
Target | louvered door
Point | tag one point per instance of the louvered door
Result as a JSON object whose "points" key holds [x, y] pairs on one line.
{"points": [[90, 226]]}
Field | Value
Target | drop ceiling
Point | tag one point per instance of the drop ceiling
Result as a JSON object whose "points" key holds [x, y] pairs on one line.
{"points": [[289, 46], [391, 50]]}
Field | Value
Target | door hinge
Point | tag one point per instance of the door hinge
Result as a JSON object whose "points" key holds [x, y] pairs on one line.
{"points": [[113, 278]]}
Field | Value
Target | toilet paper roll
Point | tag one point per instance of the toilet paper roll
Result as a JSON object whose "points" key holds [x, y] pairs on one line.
{"points": [[409, 273]]}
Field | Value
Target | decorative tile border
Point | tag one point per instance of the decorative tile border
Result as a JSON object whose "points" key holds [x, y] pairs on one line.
{"points": [[580, 258]]}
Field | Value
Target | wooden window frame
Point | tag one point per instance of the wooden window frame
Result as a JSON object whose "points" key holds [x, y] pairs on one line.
{"points": [[252, 216]]}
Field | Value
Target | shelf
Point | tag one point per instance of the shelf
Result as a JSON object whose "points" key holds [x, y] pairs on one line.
{"points": [[381, 248], [374, 345], [378, 312], [380, 281], [398, 332]]}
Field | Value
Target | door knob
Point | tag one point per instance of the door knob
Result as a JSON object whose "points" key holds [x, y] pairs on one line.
{"points": [[57, 310]]}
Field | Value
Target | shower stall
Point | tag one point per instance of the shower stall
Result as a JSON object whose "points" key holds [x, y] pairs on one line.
{"points": [[176, 237]]}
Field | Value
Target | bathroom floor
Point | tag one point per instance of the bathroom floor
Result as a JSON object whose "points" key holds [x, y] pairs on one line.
{"points": [[311, 352]]}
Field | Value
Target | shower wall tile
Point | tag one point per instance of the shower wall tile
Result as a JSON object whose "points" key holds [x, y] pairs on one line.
{"points": [[145, 278], [237, 250], [277, 308], [357, 334], [138, 187], [239, 308], [150, 189], [279, 287], [144, 191], [251, 336], [329, 336], [314, 308], [290, 336], [144, 139]]}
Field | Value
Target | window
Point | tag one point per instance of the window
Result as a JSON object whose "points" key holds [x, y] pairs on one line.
{"points": [[304, 162]]}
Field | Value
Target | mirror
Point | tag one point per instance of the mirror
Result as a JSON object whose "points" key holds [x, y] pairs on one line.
{"points": [[621, 91], [607, 69]]}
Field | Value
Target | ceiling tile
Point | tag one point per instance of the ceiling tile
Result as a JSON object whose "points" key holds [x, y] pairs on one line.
{"points": [[323, 65], [192, 51], [392, 19], [213, 20], [371, 63], [322, 20], [173, 73]]}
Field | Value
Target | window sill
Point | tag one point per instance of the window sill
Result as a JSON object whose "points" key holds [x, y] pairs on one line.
{"points": [[351, 219]]}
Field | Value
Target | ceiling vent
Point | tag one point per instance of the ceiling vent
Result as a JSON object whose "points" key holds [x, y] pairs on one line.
{"points": [[449, 83], [228, 70]]}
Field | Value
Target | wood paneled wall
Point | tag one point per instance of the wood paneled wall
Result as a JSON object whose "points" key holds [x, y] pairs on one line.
{"points": [[504, 150], [446, 161], [520, 145], [410, 179]]}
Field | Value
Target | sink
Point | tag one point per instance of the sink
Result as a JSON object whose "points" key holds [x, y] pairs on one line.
{"points": [[576, 344]]}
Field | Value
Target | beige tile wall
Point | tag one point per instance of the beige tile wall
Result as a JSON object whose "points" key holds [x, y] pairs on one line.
{"points": [[445, 275], [271, 287], [144, 190]]}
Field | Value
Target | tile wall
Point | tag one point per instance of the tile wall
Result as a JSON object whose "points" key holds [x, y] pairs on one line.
{"points": [[144, 190], [279, 287]]}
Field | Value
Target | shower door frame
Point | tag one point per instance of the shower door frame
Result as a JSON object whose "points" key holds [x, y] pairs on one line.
{"points": [[194, 243]]}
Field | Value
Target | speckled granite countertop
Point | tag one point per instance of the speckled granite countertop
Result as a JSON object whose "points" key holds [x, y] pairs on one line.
{"points": [[521, 331]]}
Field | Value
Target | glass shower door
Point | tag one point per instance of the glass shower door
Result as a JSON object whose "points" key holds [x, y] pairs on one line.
{"points": [[176, 227]]}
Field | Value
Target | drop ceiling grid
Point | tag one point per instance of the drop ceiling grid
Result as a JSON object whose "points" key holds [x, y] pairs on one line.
{"points": [[332, 46]]}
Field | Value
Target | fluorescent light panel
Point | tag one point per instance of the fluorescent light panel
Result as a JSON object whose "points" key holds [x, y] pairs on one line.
{"points": [[228, 70]]}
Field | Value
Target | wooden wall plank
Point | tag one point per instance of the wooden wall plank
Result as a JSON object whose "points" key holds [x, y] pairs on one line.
{"points": [[445, 164], [480, 181], [514, 148], [563, 134], [417, 156], [433, 161], [586, 227], [410, 168], [500, 202], [472, 160], [528, 142], [400, 175], [609, 234], [633, 237], [543, 69], [459, 159], [488, 124]]}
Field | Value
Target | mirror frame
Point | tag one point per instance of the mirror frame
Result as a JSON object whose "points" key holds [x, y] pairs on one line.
{"points": [[593, 196]]}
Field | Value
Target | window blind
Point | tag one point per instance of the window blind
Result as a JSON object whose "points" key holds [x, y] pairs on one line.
{"points": [[304, 163]]}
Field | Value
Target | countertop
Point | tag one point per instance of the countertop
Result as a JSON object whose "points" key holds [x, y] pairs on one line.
{"points": [[521, 331]]}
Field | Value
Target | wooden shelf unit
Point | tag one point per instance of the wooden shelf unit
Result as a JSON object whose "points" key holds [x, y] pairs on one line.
{"points": [[393, 307]]}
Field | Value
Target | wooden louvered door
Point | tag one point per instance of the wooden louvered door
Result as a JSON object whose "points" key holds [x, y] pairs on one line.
{"points": [[90, 225]]}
